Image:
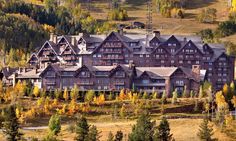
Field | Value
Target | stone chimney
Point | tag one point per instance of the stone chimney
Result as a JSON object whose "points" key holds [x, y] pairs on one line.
{"points": [[73, 41], [55, 39], [196, 70], [121, 31], [185, 40], [157, 34], [51, 37]]}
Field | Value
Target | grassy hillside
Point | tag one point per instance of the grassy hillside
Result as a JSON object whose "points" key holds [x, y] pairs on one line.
{"points": [[188, 25], [137, 12]]}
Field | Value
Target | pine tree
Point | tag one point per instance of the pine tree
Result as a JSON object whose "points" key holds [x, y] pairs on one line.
{"points": [[145, 95], [82, 129], [110, 136], [232, 88], [89, 96], [55, 124], [185, 95], [163, 133], [11, 125], [74, 92], [119, 136], [66, 95], [93, 134], [164, 97], [205, 131], [143, 130], [200, 94], [174, 97]]}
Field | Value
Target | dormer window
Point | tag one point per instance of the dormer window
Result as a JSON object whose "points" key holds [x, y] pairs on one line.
{"points": [[174, 45], [172, 50], [169, 44]]}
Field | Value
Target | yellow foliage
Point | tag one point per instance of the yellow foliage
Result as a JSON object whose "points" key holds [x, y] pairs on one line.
{"points": [[17, 113], [233, 101], [130, 95], [220, 101], [228, 120], [72, 107], [36, 91], [48, 28], [55, 102], [122, 95], [100, 100], [66, 95]]}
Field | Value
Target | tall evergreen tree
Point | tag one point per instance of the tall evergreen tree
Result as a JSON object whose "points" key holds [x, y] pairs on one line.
{"points": [[205, 131], [163, 133], [11, 125], [119, 136], [93, 134], [143, 130], [82, 129], [54, 124]]}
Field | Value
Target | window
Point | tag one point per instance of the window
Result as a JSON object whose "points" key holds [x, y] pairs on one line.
{"points": [[94, 56], [126, 55], [141, 55], [209, 74], [172, 61], [147, 56], [197, 62], [162, 61], [169, 44], [180, 82], [181, 62], [157, 56], [189, 62], [99, 55], [145, 81], [172, 50]]}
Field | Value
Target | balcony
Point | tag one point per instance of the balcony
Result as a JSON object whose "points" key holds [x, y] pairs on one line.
{"points": [[68, 58], [119, 83], [112, 52], [113, 58], [67, 52], [150, 84], [85, 83], [44, 59], [47, 52], [50, 83]]}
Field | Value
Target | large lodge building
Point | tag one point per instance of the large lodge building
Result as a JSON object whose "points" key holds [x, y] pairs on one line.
{"points": [[131, 61]]}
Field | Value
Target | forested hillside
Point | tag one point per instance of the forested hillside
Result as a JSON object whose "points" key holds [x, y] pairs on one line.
{"points": [[25, 26]]}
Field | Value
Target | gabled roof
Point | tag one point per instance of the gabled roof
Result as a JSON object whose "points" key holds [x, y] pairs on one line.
{"points": [[51, 44], [172, 37], [186, 45], [32, 55], [68, 41], [118, 36], [55, 67], [156, 71], [7, 71]]}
